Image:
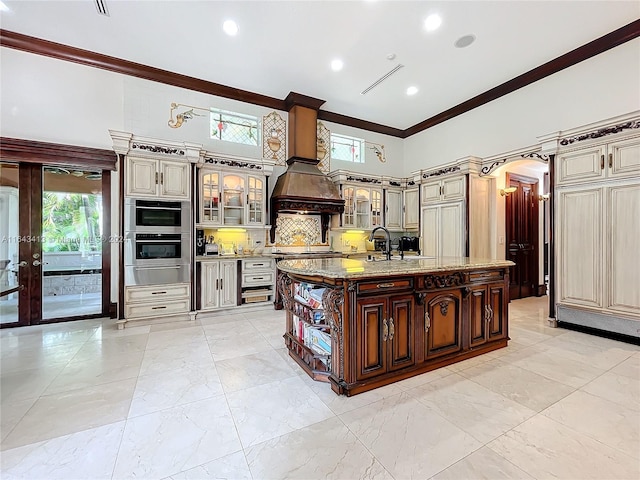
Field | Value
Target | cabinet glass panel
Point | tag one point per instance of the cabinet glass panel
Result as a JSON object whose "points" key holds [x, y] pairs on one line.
{"points": [[363, 208], [233, 198], [210, 197], [348, 193], [256, 200], [376, 208]]}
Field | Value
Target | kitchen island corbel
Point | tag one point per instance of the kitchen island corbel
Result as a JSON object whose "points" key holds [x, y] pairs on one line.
{"points": [[390, 320]]}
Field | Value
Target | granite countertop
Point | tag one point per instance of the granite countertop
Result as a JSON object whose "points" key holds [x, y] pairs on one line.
{"points": [[204, 258], [354, 268]]}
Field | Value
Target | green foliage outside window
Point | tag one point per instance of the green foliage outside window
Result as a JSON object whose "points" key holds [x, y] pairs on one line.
{"points": [[71, 222]]}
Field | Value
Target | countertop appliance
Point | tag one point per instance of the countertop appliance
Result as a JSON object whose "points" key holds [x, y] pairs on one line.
{"points": [[410, 244]]}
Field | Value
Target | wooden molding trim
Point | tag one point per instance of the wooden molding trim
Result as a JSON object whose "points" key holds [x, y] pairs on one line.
{"points": [[59, 51], [30, 151], [586, 51]]}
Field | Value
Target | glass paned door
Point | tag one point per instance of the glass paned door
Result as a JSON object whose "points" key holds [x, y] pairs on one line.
{"points": [[71, 262], [233, 200], [256, 200], [376, 208], [348, 217], [10, 285], [363, 208], [210, 198]]}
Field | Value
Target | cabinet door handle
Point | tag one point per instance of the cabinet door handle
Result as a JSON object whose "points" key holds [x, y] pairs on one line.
{"points": [[427, 322], [156, 178], [385, 330], [602, 162], [392, 329], [611, 160], [220, 284], [216, 284], [162, 178]]}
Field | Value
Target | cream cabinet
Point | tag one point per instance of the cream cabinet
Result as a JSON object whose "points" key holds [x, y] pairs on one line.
{"points": [[231, 199], [598, 259], [619, 159], [218, 284], [393, 209], [411, 209], [154, 301], [443, 230], [148, 177], [444, 190], [362, 207]]}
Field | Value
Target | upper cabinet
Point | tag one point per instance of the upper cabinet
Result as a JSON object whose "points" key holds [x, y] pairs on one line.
{"points": [[393, 209], [231, 196], [146, 177], [156, 168], [411, 209], [444, 190], [619, 159]]}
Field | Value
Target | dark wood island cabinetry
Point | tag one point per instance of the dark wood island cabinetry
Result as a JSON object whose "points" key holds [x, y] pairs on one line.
{"points": [[360, 325]]}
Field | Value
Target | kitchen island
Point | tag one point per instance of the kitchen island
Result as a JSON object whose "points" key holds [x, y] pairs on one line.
{"points": [[362, 324]]}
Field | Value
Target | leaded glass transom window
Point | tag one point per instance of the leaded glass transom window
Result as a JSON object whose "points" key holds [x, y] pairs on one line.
{"points": [[234, 127], [348, 149]]}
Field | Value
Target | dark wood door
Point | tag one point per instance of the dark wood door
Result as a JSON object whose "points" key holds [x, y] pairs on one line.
{"points": [[443, 321], [478, 313], [400, 339], [372, 330], [521, 215]]}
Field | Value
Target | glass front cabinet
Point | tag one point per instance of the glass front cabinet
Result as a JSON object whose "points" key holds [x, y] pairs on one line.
{"points": [[231, 199]]}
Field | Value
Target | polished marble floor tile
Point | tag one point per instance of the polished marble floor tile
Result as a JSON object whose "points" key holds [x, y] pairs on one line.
{"points": [[267, 411], [73, 411], [170, 441], [408, 438], [545, 448], [252, 370], [620, 389], [602, 420], [66, 457], [232, 467], [518, 384], [473, 408], [11, 412], [325, 449], [483, 464]]}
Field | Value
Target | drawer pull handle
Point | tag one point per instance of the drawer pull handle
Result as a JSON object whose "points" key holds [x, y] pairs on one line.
{"points": [[385, 285], [258, 264], [158, 293], [258, 278], [158, 308], [385, 330]]}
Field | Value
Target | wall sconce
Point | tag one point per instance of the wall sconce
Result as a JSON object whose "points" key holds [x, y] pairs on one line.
{"points": [[544, 197], [505, 192]]}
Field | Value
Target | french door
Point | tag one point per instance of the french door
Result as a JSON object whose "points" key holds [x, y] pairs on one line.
{"points": [[54, 229]]}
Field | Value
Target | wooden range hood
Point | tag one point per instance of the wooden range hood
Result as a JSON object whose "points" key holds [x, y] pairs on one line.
{"points": [[303, 188]]}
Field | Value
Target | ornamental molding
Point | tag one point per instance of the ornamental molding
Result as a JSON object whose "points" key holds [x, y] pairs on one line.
{"points": [[232, 163], [363, 180], [539, 156], [601, 132], [442, 171], [333, 302], [486, 170], [157, 149], [443, 281]]}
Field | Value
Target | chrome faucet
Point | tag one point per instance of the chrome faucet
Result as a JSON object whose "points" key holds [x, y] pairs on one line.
{"points": [[387, 235]]}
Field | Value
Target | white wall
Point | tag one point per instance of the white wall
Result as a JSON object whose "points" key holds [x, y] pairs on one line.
{"points": [[602, 87]]}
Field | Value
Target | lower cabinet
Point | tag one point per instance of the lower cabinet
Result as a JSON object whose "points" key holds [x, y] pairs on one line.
{"points": [[384, 331], [218, 284], [486, 311], [156, 300], [443, 323]]}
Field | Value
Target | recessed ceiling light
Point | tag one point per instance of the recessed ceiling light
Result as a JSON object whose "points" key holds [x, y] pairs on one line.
{"points": [[432, 22], [465, 41], [230, 27], [336, 65], [412, 90]]}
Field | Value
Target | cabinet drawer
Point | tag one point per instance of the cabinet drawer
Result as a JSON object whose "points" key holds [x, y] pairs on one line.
{"points": [[156, 293], [386, 285], [157, 309], [257, 264], [257, 279], [486, 276]]}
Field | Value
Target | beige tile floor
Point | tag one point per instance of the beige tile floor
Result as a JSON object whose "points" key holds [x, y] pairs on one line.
{"points": [[219, 398]]}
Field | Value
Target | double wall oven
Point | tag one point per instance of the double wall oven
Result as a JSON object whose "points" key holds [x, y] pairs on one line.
{"points": [[157, 247]]}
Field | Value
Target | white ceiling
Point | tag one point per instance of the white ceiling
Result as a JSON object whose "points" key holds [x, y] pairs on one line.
{"points": [[285, 46]]}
